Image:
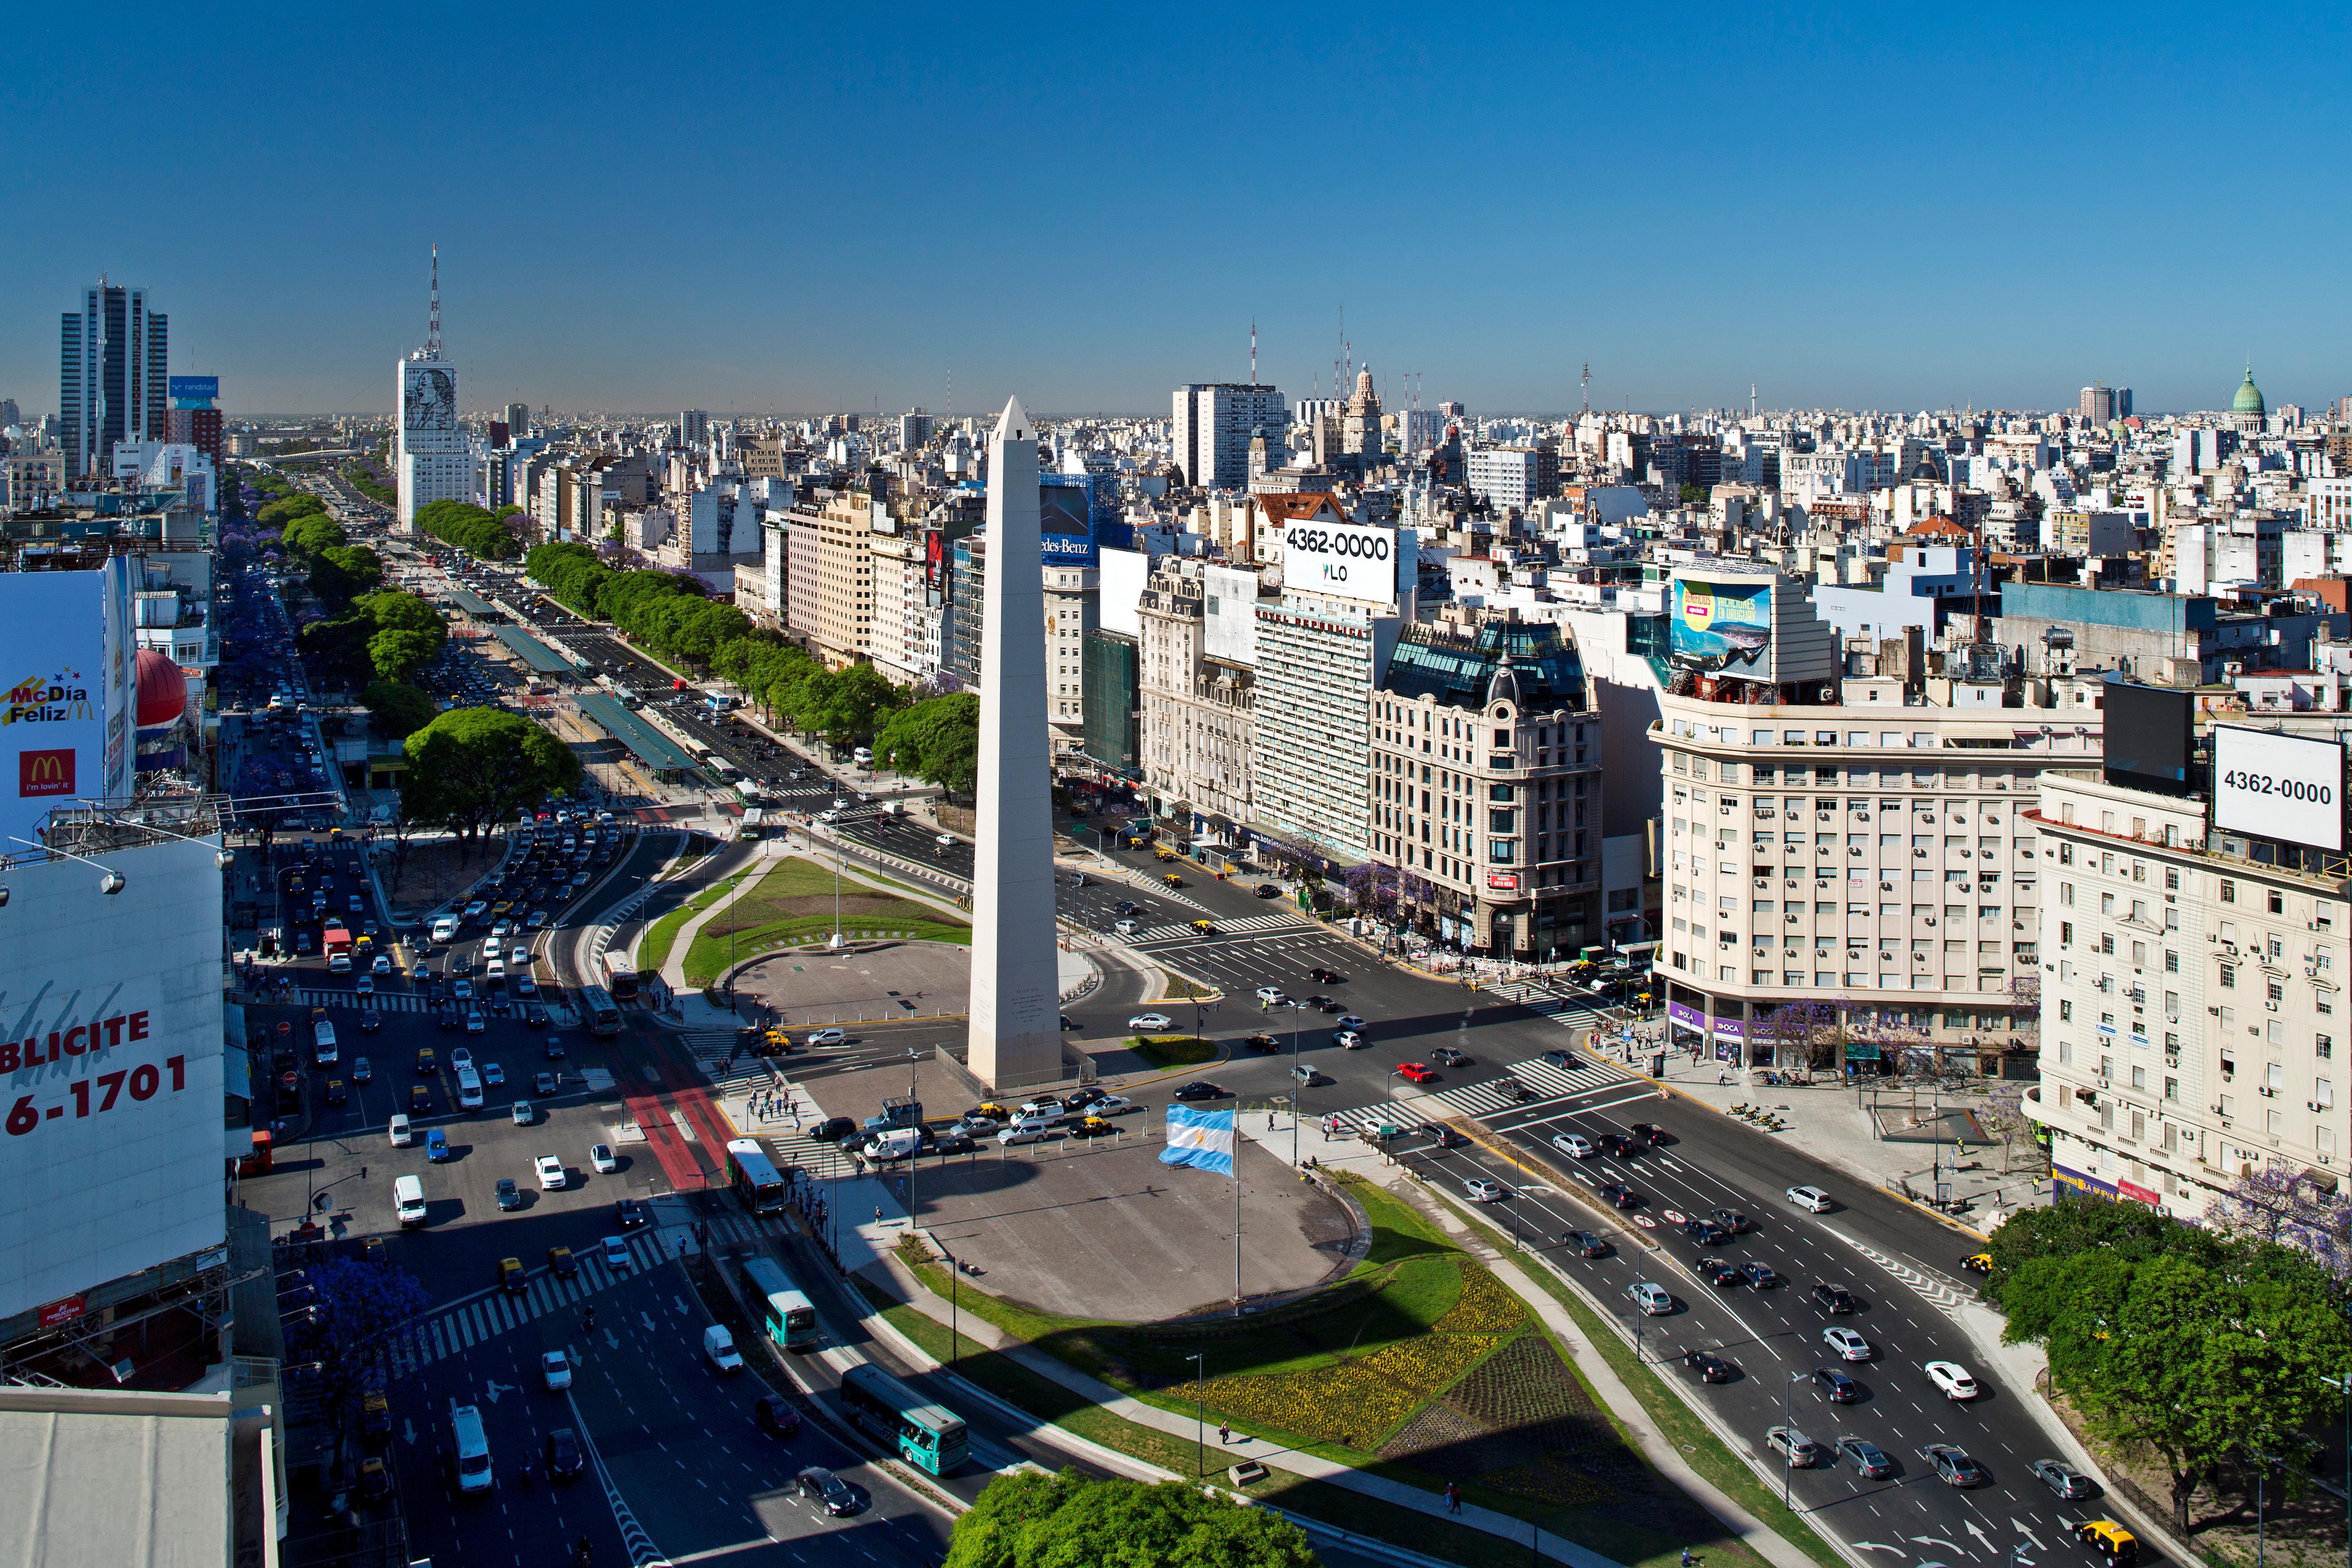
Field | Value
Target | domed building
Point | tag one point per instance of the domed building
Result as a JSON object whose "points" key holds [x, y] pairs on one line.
{"points": [[2247, 410]]}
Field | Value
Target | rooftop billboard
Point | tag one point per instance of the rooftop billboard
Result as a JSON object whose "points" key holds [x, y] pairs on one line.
{"points": [[1347, 560], [110, 1070], [2278, 786], [65, 693], [1725, 626]]}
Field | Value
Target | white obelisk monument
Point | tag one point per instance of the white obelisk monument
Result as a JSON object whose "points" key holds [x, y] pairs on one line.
{"points": [[1015, 1035]]}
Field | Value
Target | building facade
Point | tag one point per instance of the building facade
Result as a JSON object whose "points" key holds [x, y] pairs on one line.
{"points": [[1213, 424], [2193, 1000], [1196, 732], [113, 373], [1072, 604]]}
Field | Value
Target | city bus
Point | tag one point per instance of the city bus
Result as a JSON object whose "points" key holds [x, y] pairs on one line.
{"points": [[754, 1177], [620, 978], [598, 1011], [788, 1319], [928, 1435]]}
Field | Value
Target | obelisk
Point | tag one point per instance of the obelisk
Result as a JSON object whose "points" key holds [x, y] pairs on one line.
{"points": [[1016, 1034]]}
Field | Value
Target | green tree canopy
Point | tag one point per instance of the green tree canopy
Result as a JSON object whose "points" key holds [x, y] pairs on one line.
{"points": [[398, 612], [472, 767], [397, 708], [396, 655], [288, 509], [1069, 1520], [310, 535], [343, 572], [469, 528], [937, 740]]}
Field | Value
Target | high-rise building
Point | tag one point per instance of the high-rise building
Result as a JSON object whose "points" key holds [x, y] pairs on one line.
{"points": [[431, 460], [113, 363], [914, 429], [518, 421], [194, 420], [2097, 402], [8, 415], [1213, 424], [693, 427]]}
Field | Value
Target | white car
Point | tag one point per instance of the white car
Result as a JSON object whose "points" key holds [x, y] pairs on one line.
{"points": [[1349, 1040], [1849, 1345], [402, 1136], [1575, 1145], [945, 841], [1652, 1299], [1811, 1199], [601, 1159], [519, 956], [1026, 1132], [1151, 1021], [616, 1252], [1952, 1378], [1483, 1191], [1271, 996], [551, 1173], [522, 1112], [460, 1057], [829, 1038], [556, 1367], [1349, 1021]]}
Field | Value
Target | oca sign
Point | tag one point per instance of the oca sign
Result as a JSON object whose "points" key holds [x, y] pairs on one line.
{"points": [[2278, 786], [1350, 561]]}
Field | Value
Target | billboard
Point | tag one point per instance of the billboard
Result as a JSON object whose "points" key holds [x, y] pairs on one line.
{"points": [[65, 693], [1723, 626], [2149, 736], [428, 398], [110, 1070], [2278, 786], [193, 388], [1344, 560], [935, 562], [1078, 516]]}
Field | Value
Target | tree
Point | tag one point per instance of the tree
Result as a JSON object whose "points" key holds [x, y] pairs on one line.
{"points": [[345, 1334], [397, 654], [398, 709], [472, 767], [2188, 1362], [287, 510], [310, 535], [937, 741], [1812, 1033], [2286, 1207], [1068, 1521], [402, 612], [1695, 495], [343, 572]]}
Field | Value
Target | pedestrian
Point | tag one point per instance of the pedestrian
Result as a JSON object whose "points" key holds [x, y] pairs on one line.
{"points": [[1224, 1434], [1453, 1497], [1688, 1559]]}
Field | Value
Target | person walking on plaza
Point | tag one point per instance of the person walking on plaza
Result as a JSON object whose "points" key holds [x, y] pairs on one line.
{"points": [[1453, 1497]]}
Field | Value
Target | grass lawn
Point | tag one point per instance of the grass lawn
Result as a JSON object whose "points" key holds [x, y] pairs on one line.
{"points": [[1180, 989], [1172, 1050], [795, 903], [1419, 1366], [662, 935]]}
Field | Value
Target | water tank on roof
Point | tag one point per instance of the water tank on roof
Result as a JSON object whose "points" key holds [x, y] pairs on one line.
{"points": [[163, 690]]}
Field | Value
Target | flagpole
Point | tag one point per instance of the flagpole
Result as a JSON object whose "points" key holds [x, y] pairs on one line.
{"points": [[1237, 1213]]}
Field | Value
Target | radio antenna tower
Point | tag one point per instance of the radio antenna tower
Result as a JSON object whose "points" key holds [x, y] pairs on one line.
{"points": [[432, 322], [1588, 391], [1253, 353]]}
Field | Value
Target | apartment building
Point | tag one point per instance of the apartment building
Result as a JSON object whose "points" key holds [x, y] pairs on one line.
{"points": [[1197, 675], [1871, 855], [829, 577], [1072, 604], [2193, 998]]}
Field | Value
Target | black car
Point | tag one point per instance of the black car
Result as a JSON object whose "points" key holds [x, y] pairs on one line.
{"points": [[1558, 1058], [1759, 1275], [1447, 1057], [631, 1213], [1439, 1135], [833, 1128], [509, 1196], [953, 1143], [1706, 1232], [1836, 1387], [1731, 1220], [1833, 1299], [450, 1023], [564, 1458], [1620, 1195], [1267, 890], [1200, 1089], [1616, 1143], [554, 1046], [1710, 1367], [775, 1415], [1327, 977], [535, 1017], [1519, 1092], [828, 1490], [1715, 1271], [1648, 1132], [1584, 1244]]}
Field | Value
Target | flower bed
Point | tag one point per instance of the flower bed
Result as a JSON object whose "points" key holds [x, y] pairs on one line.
{"points": [[1485, 1308]]}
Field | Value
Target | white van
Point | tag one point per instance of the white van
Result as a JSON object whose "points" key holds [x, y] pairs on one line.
{"points": [[445, 928], [339, 963], [408, 1199], [469, 1090], [323, 1043], [719, 1346], [899, 1144], [473, 1449]]}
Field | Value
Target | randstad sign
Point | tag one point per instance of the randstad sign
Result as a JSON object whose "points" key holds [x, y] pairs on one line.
{"points": [[67, 704]]}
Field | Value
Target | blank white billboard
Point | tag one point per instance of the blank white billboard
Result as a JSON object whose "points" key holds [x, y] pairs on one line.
{"points": [[111, 1148], [2278, 786]]}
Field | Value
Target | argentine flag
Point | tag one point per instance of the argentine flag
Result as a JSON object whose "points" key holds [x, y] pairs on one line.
{"points": [[1203, 1139]]}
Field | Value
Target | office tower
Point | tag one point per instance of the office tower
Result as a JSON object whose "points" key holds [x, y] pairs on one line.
{"points": [[112, 363], [2097, 404], [914, 429], [1016, 1036], [693, 427], [518, 421], [1213, 424], [8, 415], [432, 461]]}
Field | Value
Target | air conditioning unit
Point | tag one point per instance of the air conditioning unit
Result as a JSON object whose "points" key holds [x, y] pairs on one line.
{"points": [[1931, 920], [2267, 1091], [1853, 849], [1886, 887], [1823, 815]]}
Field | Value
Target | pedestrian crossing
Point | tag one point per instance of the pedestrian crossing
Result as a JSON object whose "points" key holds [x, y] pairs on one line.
{"points": [[382, 1001], [1567, 1011], [1226, 928], [1944, 1298], [1484, 1098], [469, 1323]]}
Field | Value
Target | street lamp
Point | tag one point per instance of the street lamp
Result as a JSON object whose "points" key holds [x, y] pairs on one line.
{"points": [[1200, 1428], [1788, 1470]]}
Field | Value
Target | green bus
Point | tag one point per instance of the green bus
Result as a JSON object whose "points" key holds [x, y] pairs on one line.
{"points": [[927, 1435], [785, 1313]]}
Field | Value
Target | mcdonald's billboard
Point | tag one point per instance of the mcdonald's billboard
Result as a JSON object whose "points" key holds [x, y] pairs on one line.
{"points": [[66, 685]]}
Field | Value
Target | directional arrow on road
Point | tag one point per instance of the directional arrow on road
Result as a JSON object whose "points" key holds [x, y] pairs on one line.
{"points": [[492, 1389], [1978, 1530], [2029, 1535], [645, 1317], [408, 1430], [612, 1339]]}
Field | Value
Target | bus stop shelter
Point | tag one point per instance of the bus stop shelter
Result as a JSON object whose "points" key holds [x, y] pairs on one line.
{"points": [[541, 658], [667, 761], [473, 605]]}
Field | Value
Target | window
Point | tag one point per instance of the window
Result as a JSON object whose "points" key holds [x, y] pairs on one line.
{"points": [[2171, 963], [2229, 891], [2229, 977], [2278, 902], [2065, 1011]]}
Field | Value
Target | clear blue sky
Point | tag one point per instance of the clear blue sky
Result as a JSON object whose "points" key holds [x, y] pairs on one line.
{"points": [[641, 207]]}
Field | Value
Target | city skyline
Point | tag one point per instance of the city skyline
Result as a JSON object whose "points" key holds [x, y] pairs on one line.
{"points": [[1769, 229]]}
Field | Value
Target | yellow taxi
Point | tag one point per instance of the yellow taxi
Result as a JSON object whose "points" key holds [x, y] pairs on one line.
{"points": [[1092, 1127], [1134, 841], [1172, 879], [1978, 1263], [2108, 1539], [1163, 854], [1205, 927], [510, 1275]]}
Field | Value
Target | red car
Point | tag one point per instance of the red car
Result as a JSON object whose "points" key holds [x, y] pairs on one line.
{"points": [[1414, 1073]]}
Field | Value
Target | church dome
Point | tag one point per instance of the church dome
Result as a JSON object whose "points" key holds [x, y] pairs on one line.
{"points": [[2250, 396]]}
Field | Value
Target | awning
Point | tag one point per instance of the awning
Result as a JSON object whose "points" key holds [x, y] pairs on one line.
{"points": [[543, 659], [652, 747]]}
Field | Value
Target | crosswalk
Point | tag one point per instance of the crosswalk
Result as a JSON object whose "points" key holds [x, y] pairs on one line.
{"points": [[1567, 1011], [1246, 924], [1486, 1098], [1944, 1298], [468, 1323], [382, 1001]]}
